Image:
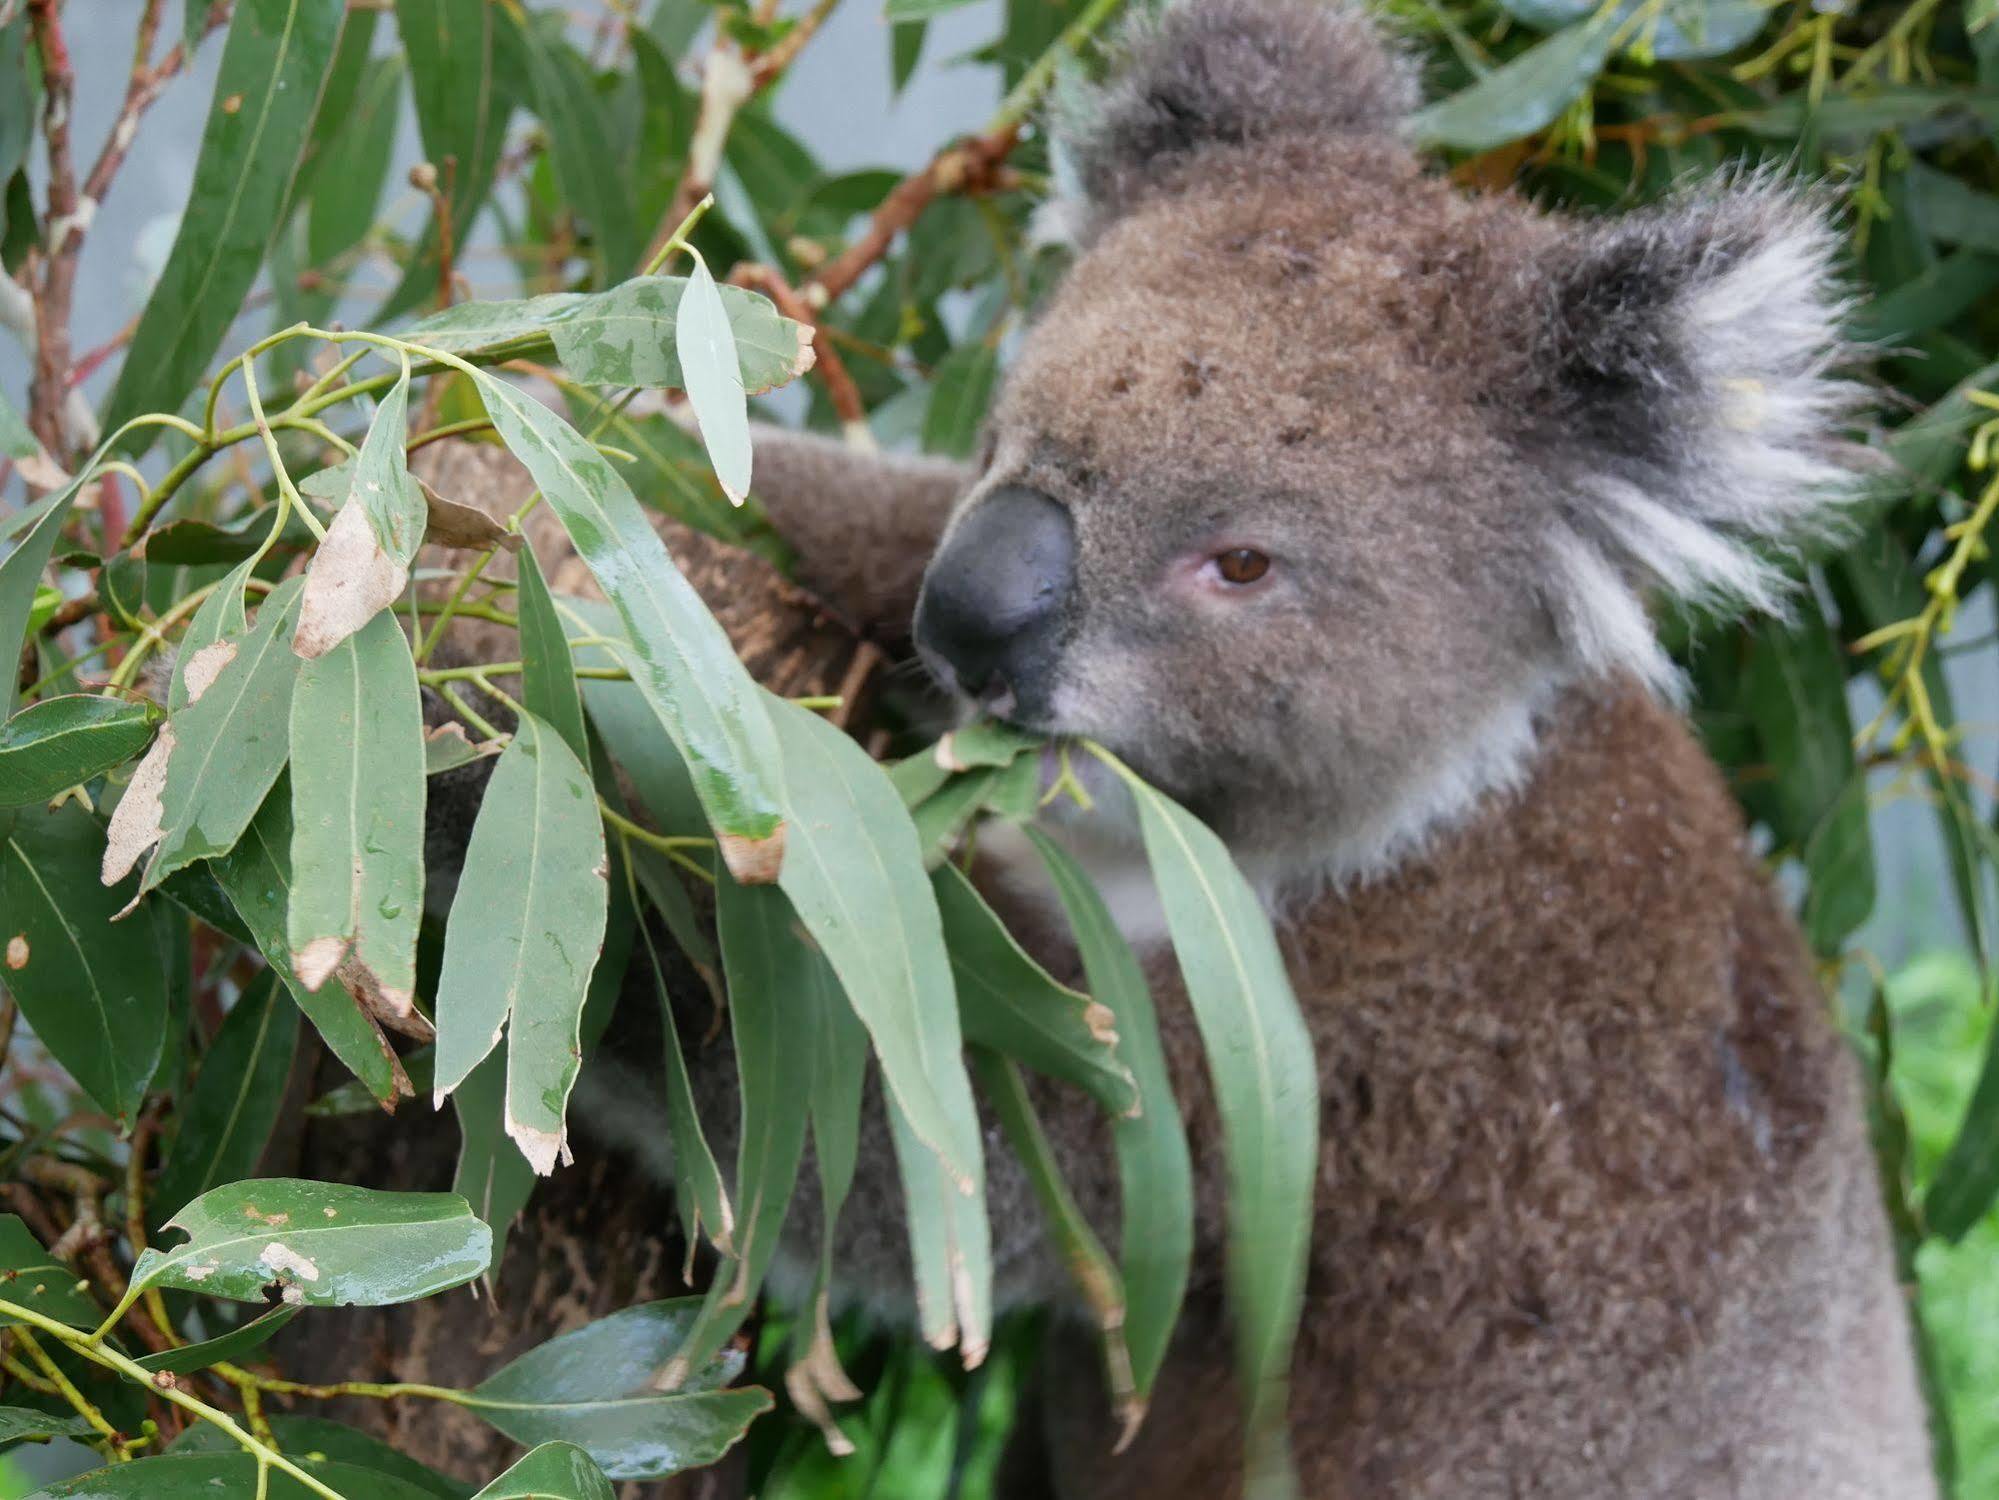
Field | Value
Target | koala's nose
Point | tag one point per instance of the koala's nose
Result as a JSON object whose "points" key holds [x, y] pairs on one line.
{"points": [[993, 597]]}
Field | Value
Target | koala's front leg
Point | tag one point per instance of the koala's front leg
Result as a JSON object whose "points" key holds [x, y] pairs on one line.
{"points": [[864, 524]]}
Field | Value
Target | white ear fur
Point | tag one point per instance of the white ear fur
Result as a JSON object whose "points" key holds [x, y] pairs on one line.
{"points": [[1735, 391]]}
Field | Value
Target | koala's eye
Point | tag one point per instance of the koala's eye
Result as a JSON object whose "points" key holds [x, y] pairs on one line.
{"points": [[1241, 565]]}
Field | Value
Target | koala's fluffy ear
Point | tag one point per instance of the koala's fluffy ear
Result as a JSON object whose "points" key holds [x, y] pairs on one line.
{"points": [[1685, 391], [1229, 73]]}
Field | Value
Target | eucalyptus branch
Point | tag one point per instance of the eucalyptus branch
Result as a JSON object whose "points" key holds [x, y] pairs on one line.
{"points": [[167, 1387]]}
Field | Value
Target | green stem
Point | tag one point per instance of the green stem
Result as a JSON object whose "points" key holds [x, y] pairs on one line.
{"points": [[66, 1387], [110, 1359], [465, 711], [433, 676], [678, 240]]}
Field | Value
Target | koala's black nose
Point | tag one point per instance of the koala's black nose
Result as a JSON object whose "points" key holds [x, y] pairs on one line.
{"points": [[993, 597]]}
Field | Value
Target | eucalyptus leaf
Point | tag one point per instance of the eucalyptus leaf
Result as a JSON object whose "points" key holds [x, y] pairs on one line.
{"points": [[322, 1244], [1260, 1057], [1009, 1003], [62, 742], [554, 1471], [855, 876], [548, 675], [226, 1121], [525, 928], [274, 64], [677, 654], [709, 365], [1523, 94], [771, 968], [93, 991], [315, 1440], [220, 754], [246, 1338], [32, 1278], [593, 1387], [208, 1476], [256, 876], [357, 790], [1155, 1172], [19, 1424]]}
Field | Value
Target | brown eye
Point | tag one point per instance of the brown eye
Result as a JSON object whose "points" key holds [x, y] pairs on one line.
{"points": [[1242, 565]]}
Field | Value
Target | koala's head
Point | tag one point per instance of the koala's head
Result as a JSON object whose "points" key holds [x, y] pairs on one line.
{"points": [[1318, 478]]}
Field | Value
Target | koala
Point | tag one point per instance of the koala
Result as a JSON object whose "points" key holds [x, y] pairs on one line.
{"points": [[1332, 500]]}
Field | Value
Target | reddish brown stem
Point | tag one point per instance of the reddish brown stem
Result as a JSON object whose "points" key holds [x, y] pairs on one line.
{"points": [[826, 361], [969, 166]]}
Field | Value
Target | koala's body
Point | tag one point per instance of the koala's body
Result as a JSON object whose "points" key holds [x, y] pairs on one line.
{"points": [[1327, 497]]}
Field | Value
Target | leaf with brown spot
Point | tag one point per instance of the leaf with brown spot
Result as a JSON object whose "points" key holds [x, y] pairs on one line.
{"points": [[452, 523], [523, 936], [357, 785], [363, 565]]}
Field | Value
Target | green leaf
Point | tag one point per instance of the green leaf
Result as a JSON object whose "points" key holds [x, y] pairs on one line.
{"points": [[21, 575], [1267, 1091], [1521, 96], [950, 1245], [215, 759], [855, 875], [593, 1387], [61, 742], [898, 11], [772, 969], [317, 1440], [676, 651], [447, 748], [1075, 1242], [323, 1244], [19, 1424], [699, 1194], [227, 1118], [357, 792], [712, 371], [30, 1277], [245, 1338], [1951, 210], [1967, 1182], [629, 336], [1795, 689], [349, 177], [523, 936], [211, 1476], [1155, 1172], [1936, 297], [196, 543], [554, 1471], [274, 65], [93, 992], [579, 140], [1678, 30], [256, 876], [548, 675], [461, 112], [1008, 1002], [363, 565], [958, 400], [491, 1174]]}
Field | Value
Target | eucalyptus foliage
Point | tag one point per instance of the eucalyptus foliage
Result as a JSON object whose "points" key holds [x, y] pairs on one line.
{"points": [[214, 754]]}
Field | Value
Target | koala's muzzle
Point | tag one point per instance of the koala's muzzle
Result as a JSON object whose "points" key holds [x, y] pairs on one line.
{"points": [[989, 620]]}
